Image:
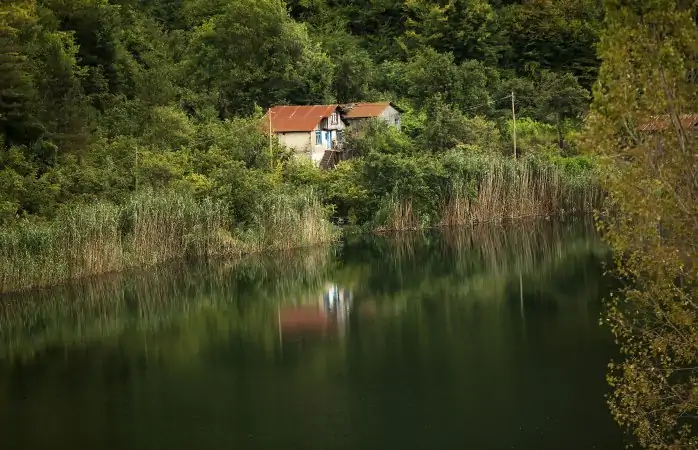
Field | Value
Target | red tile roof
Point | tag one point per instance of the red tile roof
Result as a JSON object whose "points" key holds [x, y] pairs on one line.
{"points": [[298, 118], [364, 110], [660, 123]]}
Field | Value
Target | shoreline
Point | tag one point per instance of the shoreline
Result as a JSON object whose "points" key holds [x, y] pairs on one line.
{"points": [[342, 231]]}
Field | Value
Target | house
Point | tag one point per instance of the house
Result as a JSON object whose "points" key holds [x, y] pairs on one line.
{"points": [[356, 112], [661, 123], [655, 125], [316, 130], [309, 130]]}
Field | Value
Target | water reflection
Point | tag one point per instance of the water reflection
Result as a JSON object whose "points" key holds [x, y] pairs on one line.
{"points": [[471, 338], [328, 313]]}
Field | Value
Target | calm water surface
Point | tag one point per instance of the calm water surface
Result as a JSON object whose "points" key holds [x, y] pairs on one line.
{"points": [[473, 339]]}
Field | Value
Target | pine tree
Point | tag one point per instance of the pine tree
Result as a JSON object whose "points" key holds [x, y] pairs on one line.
{"points": [[18, 95]]}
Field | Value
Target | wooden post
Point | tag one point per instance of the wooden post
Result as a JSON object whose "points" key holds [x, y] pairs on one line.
{"points": [[513, 116]]}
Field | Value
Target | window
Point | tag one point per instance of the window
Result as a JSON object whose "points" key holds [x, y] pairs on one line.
{"points": [[339, 135], [397, 121], [333, 119], [318, 138]]}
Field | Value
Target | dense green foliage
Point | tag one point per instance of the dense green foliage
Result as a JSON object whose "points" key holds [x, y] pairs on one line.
{"points": [[102, 99], [393, 183], [99, 97], [648, 76]]}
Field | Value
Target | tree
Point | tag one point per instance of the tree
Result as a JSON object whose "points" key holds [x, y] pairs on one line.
{"points": [[557, 35], [252, 52], [353, 71], [447, 128], [429, 73], [379, 23], [19, 96], [647, 81], [560, 98], [468, 29]]}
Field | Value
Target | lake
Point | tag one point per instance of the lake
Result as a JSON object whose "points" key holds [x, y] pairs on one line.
{"points": [[477, 338]]}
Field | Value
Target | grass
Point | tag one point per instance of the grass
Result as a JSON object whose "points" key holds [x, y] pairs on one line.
{"points": [[507, 189], [152, 228], [287, 221], [149, 229], [479, 189]]}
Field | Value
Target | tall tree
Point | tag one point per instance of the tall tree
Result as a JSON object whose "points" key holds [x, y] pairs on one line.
{"points": [[19, 96], [560, 98], [647, 84], [557, 35], [252, 52], [469, 29]]}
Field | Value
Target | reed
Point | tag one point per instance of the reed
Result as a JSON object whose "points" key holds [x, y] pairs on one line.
{"points": [[173, 226], [149, 229], [458, 188], [289, 220], [396, 214], [80, 242], [505, 189]]}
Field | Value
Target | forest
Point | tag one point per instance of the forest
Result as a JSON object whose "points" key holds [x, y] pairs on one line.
{"points": [[131, 134], [120, 118], [101, 98]]}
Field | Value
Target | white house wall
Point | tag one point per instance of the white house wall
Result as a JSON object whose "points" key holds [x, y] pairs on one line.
{"points": [[304, 143], [297, 140], [392, 116]]}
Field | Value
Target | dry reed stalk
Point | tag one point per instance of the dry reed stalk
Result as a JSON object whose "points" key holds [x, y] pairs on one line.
{"points": [[92, 239], [518, 192]]}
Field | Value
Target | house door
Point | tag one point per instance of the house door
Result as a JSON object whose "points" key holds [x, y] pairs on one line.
{"points": [[328, 138]]}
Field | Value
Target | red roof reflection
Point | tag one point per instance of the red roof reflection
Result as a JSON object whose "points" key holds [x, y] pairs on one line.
{"points": [[304, 318]]}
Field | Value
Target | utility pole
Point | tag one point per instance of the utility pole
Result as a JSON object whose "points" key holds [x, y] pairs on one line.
{"points": [[513, 116]]}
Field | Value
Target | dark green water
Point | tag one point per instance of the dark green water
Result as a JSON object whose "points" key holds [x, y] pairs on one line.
{"points": [[477, 339]]}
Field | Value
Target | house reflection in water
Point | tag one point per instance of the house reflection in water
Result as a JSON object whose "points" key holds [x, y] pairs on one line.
{"points": [[328, 313]]}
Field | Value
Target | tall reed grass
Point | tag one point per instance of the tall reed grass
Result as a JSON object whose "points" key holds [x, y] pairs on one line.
{"points": [[289, 220], [397, 213], [506, 189], [149, 229], [458, 188]]}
